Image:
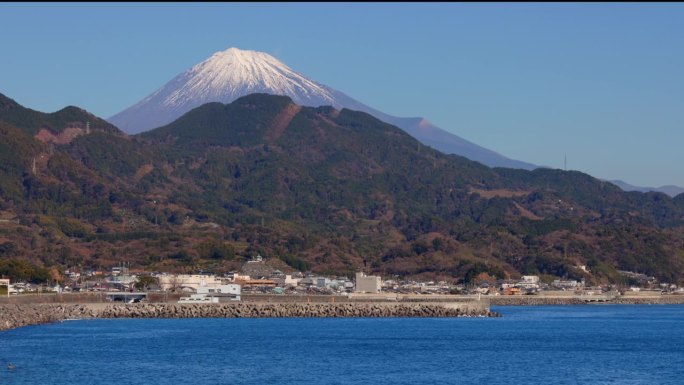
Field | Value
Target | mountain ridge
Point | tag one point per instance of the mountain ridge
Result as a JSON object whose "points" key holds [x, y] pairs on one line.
{"points": [[232, 73], [670, 190], [32, 121]]}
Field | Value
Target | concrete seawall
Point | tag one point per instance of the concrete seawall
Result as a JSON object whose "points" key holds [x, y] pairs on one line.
{"points": [[13, 316]]}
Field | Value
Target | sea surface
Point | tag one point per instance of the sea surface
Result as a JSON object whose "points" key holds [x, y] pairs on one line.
{"points": [[590, 344]]}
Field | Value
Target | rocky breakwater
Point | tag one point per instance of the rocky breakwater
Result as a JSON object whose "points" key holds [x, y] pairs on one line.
{"points": [[529, 300], [18, 315], [14, 316], [650, 300], [289, 310]]}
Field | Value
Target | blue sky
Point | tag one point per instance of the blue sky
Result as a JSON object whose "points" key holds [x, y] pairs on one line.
{"points": [[602, 83]]}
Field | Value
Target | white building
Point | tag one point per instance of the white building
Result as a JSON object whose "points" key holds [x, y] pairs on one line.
{"points": [[231, 290], [122, 281], [214, 294], [562, 284], [367, 284], [529, 282], [198, 298], [530, 278]]}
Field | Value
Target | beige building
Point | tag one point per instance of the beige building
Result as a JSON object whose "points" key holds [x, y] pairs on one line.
{"points": [[367, 283], [186, 282]]}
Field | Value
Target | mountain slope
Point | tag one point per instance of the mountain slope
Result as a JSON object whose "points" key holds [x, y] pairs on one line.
{"points": [[344, 175], [33, 121], [329, 190], [233, 73]]}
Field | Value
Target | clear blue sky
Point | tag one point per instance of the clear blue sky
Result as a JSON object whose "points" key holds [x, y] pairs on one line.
{"points": [[602, 83]]}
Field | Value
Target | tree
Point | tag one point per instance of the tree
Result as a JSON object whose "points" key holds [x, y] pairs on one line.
{"points": [[145, 282]]}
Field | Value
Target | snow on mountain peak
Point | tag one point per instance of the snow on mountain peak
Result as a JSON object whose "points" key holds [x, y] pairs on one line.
{"points": [[232, 73]]}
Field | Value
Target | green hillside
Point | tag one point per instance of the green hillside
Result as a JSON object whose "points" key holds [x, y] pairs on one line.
{"points": [[326, 190], [33, 121]]}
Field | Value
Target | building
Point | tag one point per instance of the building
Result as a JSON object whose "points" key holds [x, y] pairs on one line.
{"points": [[367, 283], [256, 283], [123, 281], [186, 282], [307, 282], [322, 282], [512, 291], [289, 280], [286, 281], [232, 290], [214, 294], [239, 277], [529, 282], [565, 284], [530, 279]]}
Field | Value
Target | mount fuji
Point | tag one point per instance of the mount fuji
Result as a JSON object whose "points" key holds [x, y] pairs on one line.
{"points": [[233, 73]]}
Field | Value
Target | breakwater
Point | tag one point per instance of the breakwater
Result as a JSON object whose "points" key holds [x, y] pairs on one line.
{"points": [[541, 300], [13, 316], [662, 300], [528, 300], [254, 310]]}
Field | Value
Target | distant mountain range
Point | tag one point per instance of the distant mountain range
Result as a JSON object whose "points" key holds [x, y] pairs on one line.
{"points": [[234, 73], [669, 189], [322, 189]]}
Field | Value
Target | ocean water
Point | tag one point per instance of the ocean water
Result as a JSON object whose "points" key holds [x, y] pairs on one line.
{"points": [[592, 344]]}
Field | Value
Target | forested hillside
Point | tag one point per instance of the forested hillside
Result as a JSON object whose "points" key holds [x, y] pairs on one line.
{"points": [[326, 190]]}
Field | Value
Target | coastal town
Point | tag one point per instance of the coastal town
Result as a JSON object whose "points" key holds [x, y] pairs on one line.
{"points": [[257, 277]]}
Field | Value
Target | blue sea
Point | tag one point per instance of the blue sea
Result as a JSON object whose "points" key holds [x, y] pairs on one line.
{"points": [[591, 344]]}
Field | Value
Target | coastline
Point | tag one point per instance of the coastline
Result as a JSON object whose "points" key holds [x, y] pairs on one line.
{"points": [[44, 309]]}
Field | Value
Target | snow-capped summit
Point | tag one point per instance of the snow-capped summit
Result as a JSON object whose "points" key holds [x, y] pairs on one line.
{"points": [[233, 73]]}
